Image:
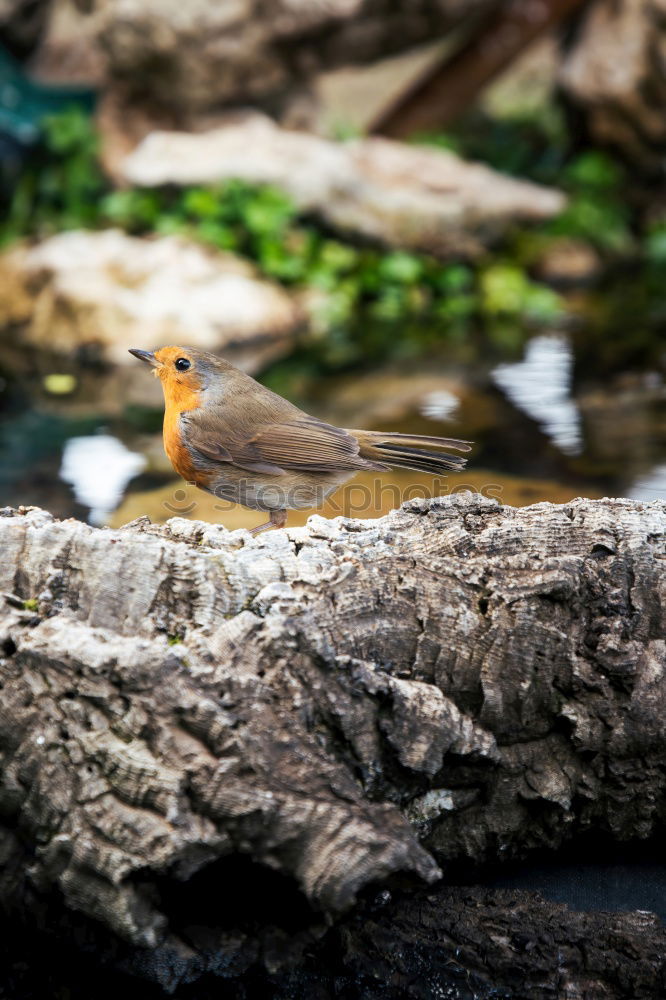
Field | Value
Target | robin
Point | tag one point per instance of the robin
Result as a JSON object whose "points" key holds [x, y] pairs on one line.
{"points": [[235, 438]]}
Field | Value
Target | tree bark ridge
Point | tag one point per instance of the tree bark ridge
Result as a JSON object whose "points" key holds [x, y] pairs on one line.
{"points": [[344, 704]]}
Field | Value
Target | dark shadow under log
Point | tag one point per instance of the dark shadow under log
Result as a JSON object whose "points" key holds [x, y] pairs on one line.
{"points": [[250, 759]]}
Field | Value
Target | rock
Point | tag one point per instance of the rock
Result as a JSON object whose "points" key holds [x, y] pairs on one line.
{"points": [[195, 57], [189, 714], [612, 74], [21, 23], [69, 53], [354, 97], [569, 263], [408, 196], [116, 291]]}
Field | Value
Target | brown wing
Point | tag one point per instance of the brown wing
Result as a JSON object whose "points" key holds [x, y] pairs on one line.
{"points": [[303, 444]]}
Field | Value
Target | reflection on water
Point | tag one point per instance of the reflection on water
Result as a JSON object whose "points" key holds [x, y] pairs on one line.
{"points": [[650, 487], [367, 495], [99, 468], [543, 430], [439, 404], [540, 385]]}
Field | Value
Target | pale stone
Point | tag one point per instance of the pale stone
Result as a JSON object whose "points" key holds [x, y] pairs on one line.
{"points": [[120, 291], [413, 197], [613, 74]]}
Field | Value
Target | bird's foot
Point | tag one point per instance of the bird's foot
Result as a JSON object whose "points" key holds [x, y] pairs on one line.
{"points": [[278, 519]]}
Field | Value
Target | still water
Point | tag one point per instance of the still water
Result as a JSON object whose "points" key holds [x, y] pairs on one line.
{"points": [[85, 442]]}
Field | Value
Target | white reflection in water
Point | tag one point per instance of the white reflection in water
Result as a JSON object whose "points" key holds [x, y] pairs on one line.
{"points": [[540, 386], [650, 487], [99, 468], [439, 404]]}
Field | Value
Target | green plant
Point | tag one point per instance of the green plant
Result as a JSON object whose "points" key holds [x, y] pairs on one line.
{"points": [[527, 144], [506, 291], [61, 186], [655, 245], [536, 144], [597, 210], [366, 302]]}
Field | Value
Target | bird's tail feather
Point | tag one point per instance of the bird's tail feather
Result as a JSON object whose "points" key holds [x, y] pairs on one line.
{"points": [[411, 451]]}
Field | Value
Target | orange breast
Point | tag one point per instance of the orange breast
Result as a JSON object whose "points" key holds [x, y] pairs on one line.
{"points": [[179, 399], [176, 451]]}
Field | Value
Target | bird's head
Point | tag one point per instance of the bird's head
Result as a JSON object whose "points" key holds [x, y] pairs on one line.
{"points": [[183, 371]]}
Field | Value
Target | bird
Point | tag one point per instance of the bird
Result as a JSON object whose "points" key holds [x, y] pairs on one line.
{"points": [[231, 436]]}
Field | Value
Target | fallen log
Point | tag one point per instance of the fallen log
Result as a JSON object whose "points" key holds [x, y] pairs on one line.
{"points": [[343, 706]]}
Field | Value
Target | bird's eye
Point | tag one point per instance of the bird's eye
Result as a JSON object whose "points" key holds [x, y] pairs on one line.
{"points": [[182, 364]]}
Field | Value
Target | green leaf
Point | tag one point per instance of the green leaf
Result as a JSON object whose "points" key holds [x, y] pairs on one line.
{"points": [[502, 287], [454, 278], [594, 169], [655, 245], [601, 221], [337, 257], [202, 203], [401, 267], [507, 291]]}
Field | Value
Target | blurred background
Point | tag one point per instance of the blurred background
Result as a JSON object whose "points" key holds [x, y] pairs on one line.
{"points": [[442, 217]]}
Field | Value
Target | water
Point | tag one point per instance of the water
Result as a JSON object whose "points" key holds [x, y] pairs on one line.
{"points": [[99, 468], [650, 487], [546, 426], [541, 387]]}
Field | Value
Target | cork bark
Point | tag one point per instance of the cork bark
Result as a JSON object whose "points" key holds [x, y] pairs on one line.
{"points": [[337, 713]]}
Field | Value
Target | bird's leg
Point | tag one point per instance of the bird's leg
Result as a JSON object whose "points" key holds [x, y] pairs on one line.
{"points": [[278, 519]]}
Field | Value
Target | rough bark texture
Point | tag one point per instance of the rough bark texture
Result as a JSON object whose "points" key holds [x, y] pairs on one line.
{"points": [[345, 704], [461, 943]]}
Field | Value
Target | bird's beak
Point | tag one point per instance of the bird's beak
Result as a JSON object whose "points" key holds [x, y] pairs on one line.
{"points": [[144, 356]]}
